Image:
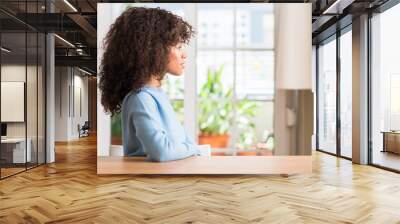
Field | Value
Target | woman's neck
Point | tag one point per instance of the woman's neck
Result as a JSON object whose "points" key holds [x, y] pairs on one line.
{"points": [[154, 82]]}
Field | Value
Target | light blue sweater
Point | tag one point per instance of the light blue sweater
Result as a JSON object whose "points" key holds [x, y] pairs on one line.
{"points": [[150, 127]]}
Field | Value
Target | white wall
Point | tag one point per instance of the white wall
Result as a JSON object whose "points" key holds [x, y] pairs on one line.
{"points": [[33, 126], [61, 103], [80, 84], [70, 83], [16, 73], [103, 119]]}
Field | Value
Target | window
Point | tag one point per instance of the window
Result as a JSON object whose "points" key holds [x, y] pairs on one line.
{"points": [[385, 89], [394, 101], [346, 94], [334, 117], [327, 97], [235, 53], [235, 77]]}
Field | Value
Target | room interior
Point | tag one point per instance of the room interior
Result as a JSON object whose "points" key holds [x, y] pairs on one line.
{"points": [[22, 105], [354, 123]]}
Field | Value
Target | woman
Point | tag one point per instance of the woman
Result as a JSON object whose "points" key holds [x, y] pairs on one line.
{"points": [[140, 48]]}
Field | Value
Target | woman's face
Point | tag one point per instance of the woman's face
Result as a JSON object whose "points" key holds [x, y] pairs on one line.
{"points": [[176, 60]]}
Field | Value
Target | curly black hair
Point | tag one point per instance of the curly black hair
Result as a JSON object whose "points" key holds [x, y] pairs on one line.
{"points": [[136, 49]]}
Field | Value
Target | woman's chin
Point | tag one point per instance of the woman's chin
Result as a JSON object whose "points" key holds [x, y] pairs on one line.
{"points": [[176, 73]]}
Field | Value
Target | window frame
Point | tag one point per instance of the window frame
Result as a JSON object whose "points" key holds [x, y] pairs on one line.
{"points": [[235, 49], [371, 14]]}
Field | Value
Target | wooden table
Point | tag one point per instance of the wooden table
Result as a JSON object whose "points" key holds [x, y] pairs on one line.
{"points": [[391, 141], [207, 165], [13, 150]]}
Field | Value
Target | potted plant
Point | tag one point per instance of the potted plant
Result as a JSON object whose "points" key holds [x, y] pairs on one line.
{"points": [[216, 109], [217, 114]]}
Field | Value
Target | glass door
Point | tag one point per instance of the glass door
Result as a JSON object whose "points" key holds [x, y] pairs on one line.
{"points": [[22, 88], [15, 150], [385, 90]]}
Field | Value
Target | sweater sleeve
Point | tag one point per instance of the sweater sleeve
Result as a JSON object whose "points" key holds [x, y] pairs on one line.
{"points": [[154, 138], [192, 144]]}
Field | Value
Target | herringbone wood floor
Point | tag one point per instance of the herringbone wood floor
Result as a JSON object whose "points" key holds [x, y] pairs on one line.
{"points": [[69, 191]]}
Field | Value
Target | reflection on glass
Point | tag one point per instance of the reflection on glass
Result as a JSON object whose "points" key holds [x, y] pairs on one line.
{"points": [[15, 150], [385, 114], [327, 97], [346, 94]]}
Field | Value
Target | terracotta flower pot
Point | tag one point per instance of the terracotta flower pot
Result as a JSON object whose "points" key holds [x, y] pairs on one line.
{"points": [[246, 153], [218, 154], [116, 140], [216, 141]]}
